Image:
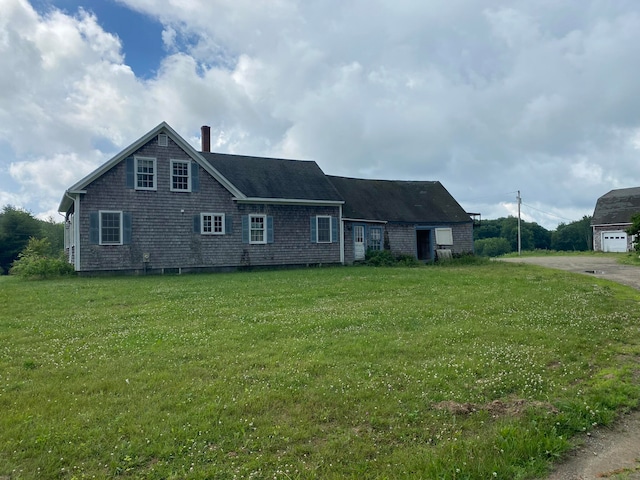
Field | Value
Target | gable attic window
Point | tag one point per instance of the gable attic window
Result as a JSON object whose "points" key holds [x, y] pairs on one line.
{"points": [[145, 168], [180, 176], [163, 140]]}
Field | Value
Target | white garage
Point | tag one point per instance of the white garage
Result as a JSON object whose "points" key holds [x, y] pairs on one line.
{"points": [[614, 241]]}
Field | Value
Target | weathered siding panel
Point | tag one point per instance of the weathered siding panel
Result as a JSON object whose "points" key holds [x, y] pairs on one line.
{"points": [[162, 224]]}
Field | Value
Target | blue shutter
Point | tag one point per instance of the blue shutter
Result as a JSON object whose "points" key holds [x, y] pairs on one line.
{"points": [[314, 236], [195, 177], [126, 228], [228, 224], [334, 229], [245, 229], [196, 224], [130, 173], [269, 229], [94, 228]]}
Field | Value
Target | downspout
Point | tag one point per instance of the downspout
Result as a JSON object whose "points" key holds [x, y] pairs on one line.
{"points": [[76, 229], [341, 237]]}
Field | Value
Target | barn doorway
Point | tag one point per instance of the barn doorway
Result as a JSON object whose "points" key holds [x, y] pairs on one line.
{"points": [[423, 245]]}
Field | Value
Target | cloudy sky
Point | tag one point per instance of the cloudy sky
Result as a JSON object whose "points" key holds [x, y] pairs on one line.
{"points": [[487, 96]]}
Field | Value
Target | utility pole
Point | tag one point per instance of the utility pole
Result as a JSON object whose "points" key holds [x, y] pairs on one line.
{"points": [[519, 231]]}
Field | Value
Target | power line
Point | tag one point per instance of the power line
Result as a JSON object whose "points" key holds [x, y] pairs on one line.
{"points": [[548, 213]]}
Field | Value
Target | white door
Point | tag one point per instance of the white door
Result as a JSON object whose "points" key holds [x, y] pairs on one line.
{"points": [[358, 242], [615, 241]]}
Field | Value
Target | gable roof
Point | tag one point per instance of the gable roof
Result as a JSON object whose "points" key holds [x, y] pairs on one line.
{"points": [[398, 201], [617, 206], [163, 127], [272, 178]]}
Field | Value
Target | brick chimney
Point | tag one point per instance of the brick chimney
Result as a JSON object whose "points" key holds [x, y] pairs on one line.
{"points": [[206, 138]]}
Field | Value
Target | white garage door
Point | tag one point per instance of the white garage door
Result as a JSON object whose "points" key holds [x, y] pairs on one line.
{"points": [[614, 241]]}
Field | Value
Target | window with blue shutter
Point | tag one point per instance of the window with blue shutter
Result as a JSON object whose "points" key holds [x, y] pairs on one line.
{"points": [[195, 177], [126, 228], [94, 228], [269, 229], [228, 224], [130, 172]]}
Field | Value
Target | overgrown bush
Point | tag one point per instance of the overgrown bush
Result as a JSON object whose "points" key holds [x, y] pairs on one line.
{"points": [[35, 262], [384, 258], [492, 247]]}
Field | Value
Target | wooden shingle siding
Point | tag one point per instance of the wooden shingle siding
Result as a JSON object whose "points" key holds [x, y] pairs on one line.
{"points": [[162, 224]]}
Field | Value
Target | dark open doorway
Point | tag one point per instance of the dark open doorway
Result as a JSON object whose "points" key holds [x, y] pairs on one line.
{"points": [[423, 243]]}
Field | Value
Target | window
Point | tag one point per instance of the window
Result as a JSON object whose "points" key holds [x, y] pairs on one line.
{"points": [[375, 238], [163, 140], [110, 228], [180, 176], [323, 229], [212, 223], [145, 173], [257, 231]]}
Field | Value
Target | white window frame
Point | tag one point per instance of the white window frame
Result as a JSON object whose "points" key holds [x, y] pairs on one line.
{"points": [[171, 187], [444, 236], [264, 230], [318, 217], [163, 140], [121, 226], [136, 173], [213, 216], [378, 242]]}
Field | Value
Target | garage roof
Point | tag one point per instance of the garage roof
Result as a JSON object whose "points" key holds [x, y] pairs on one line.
{"points": [[617, 207]]}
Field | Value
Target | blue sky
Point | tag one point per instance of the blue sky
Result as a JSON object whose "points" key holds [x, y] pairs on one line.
{"points": [[140, 34], [488, 97]]}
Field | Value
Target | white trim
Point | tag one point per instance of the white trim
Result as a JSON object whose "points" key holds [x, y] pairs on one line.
{"points": [[264, 229], [289, 201], [172, 162], [212, 215], [163, 127], [135, 173], [318, 217], [76, 233], [362, 220], [100, 212], [341, 220]]}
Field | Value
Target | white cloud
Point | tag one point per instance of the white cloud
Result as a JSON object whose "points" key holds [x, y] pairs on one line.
{"points": [[485, 97]]}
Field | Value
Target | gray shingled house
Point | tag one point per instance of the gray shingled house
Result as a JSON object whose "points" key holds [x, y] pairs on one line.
{"points": [[161, 206], [612, 217], [410, 217]]}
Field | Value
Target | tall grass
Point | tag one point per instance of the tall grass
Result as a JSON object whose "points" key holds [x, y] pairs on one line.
{"points": [[461, 372]]}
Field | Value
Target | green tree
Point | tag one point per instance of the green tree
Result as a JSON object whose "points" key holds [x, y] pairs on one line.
{"points": [[36, 262], [574, 236], [634, 229], [16, 228], [491, 247]]}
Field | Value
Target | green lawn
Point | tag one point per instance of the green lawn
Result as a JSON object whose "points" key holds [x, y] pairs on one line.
{"points": [[478, 371]]}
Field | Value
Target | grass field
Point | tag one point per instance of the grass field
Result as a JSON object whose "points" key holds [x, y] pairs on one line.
{"points": [[458, 372]]}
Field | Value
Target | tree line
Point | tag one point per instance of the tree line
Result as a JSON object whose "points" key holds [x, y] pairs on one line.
{"points": [[497, 237], [18, 226]]}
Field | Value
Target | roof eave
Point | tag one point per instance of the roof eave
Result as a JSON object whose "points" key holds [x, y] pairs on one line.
{"points": [[290, 201]]}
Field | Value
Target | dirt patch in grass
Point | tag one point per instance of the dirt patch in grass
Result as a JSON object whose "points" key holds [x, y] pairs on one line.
{"points": [[496, 408]]}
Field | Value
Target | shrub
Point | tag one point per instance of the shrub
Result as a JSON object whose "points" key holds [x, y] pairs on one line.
{"points": [[492, 247], [34, 261], [379, 258], [384, 258]]}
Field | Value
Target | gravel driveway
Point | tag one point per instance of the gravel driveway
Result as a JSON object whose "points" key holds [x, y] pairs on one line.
{"points": [[612, 452]]}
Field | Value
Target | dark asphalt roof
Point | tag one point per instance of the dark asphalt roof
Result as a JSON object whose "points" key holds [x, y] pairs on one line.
{"points": [[617, 206], [260, 177], [398, 201]]}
